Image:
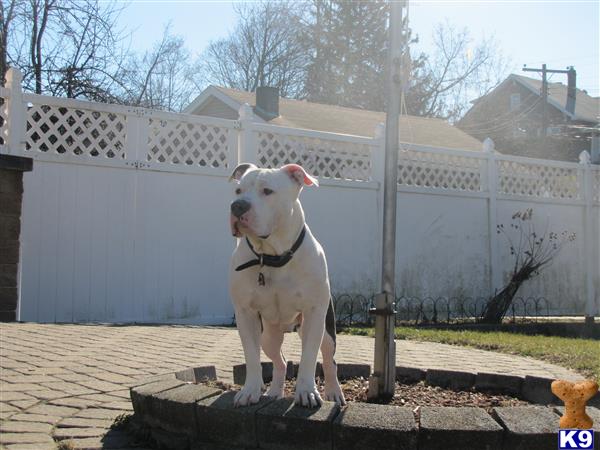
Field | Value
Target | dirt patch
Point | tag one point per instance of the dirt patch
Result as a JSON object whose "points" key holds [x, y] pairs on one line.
{"points": [[421, 394], [413, 395]]}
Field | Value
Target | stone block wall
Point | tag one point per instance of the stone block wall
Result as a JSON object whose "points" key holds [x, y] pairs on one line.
{"points": [[11, 196]]}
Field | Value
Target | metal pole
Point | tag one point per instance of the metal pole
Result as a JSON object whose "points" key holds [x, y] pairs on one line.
{"points": [[382, 381], [544, 94], [544, 101]]}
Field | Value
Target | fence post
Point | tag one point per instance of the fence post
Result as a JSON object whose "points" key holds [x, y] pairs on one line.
{"points": [[378, 175], [248, 142], [15, 113], [378, 154], [136, 142], [589, 237], [495, 271]]}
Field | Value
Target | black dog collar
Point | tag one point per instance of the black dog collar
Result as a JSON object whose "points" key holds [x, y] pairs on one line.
{"points": [[271, 260]]}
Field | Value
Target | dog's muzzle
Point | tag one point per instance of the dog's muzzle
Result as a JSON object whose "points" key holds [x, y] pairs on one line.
{"points": [[240, 207], [236, 218]]}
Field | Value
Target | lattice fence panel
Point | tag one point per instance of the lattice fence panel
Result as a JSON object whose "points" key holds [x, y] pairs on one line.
{"points": [[3, 121], [320, 157], [441, 171], [189, 143], [596, 185], [537, 180], [74, 131]]}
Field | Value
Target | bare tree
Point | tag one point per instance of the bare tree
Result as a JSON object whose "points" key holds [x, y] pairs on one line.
{"points": [[458, 70], [531, 252], [265, 49], [9, 10], [161, 78], [75, 49], [66, 48]]}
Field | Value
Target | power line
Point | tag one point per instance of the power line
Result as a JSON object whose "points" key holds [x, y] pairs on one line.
{"points": [[495, 126], [571, 92], [508, 123]]}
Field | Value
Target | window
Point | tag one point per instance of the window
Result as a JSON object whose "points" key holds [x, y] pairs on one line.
{"points": [[515, 101]]}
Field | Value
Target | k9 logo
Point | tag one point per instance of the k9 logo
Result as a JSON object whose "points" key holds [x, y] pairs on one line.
{"points": [[575, 439]]}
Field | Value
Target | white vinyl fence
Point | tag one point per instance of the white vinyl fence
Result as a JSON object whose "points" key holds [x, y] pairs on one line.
{"points": [[125, 214]]}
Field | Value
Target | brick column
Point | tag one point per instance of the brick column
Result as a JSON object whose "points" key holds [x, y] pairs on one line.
{"points": [[11, 195]]}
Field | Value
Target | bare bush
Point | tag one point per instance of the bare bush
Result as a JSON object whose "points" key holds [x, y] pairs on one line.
{"points": [[531, 252]]}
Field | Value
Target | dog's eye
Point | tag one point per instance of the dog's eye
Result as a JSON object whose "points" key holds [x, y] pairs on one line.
{"points": [[267, 191], [238, 191]]}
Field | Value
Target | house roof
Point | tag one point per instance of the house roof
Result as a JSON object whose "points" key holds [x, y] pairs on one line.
{"points": [[337, 119], [587, 108]]}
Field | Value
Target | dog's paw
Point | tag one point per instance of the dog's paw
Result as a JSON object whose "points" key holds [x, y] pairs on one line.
{"points": [[333, 393], [307, 395], [275, 392], [249, 395]]}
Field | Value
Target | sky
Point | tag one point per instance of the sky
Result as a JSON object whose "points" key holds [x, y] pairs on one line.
{"points": [[558, 33]]}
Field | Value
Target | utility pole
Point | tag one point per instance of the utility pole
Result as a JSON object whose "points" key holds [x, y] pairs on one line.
{"points": [[382, 381], [570, 106]]}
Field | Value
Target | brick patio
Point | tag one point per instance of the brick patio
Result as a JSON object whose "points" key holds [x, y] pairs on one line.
{"points": [[71, 381]]}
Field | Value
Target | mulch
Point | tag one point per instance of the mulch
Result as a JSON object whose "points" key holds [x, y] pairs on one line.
{"points": [[412, 395], [421, 394]]}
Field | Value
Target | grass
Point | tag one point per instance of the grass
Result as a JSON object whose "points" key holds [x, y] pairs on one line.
{"points": [[581, 355]]}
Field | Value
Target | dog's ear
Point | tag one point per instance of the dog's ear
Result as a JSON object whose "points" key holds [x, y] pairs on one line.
{"points": [[240, 170], [299, 175]]}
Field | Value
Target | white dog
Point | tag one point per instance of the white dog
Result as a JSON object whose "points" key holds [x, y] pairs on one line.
{"points": [[278, 282]]}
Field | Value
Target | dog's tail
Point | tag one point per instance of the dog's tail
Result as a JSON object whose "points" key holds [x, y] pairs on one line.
{"points": [[330, 321]]}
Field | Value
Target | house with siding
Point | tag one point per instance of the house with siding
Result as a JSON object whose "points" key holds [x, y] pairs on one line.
{"points": [[512, 115], [225, 103]]}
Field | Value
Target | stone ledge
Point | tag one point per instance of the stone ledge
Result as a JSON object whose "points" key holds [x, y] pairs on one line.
{"points": [[366, 425], [448, 428], [141, 396], [239, 372], [19, 163], [175, 409], [195, 374], [281, 424], [458, 381], [218, 421], [182, 415], [528, 427], [409, 374], [345, 371], [537, 390], [504, 384]]}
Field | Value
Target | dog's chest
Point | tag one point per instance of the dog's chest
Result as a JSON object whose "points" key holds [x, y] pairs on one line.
{"points": [[280, 301]]}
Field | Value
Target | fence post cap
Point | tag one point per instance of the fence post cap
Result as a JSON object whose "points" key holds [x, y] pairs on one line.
{"points": [[585, 158], [246, 112], [14, 75], [488, 145]]}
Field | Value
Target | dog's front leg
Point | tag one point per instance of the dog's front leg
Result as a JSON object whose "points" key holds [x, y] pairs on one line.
{"points": [[313, 325], [248, 324]]}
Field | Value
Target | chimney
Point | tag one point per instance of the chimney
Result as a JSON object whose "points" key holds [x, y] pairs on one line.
{"points": [[595, 148], [571, 90], [267, 102]]}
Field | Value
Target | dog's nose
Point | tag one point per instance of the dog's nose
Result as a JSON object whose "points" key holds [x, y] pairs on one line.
{"points": [[239, 207]]}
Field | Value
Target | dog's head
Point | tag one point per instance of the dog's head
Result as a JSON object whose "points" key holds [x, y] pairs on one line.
{"points": [[263, 198]]}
